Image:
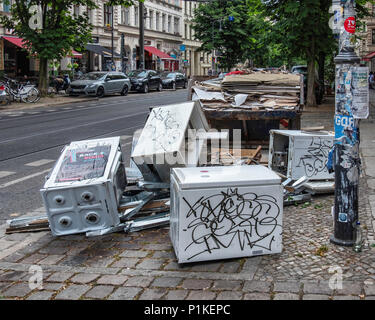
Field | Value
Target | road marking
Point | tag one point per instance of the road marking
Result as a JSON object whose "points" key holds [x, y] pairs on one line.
{"points": [[8, 184], [39, 163], [4, 174]]}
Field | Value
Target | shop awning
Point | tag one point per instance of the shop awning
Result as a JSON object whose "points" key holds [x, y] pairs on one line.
{"points": [[158, 53], [369, 56], [76, 54], [98, 49], [19, 42]]}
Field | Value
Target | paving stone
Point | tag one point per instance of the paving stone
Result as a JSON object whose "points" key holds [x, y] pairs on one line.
{"points": [[100, 262], [134, 254], [34, 258], [151, 264], [196, 284], [54, 250], [176, 295], [139, 281], [257, 296], [315, 297], [17, 237], [317, 288], [125, 293], [13, 276], [60, 276], [286, 296], [287, 286], [84, 278], [201, 295], [227, 285], [175, 266], [370, 298], [349, 288], [152, 294], [206, 267], [164, 255], [229, 295], [14, 257], [166, 282], [160, 247], [125, 263], [230, 267], [40, 295], [257, 286], [17, 290], [51, 286], [113, 279], [369, 290], [348, 297], [4, 285], [73, 292], [52, 259], [99, 292]]}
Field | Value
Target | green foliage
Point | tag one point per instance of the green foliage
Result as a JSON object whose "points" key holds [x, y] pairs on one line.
{"points": [[213, 28]]}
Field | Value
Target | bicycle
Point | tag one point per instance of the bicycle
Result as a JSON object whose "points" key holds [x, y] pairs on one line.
{"points": [[23, 92]]}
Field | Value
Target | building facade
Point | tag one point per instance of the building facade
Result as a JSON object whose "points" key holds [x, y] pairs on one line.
{"points": [[169, 40], [366, 46]]}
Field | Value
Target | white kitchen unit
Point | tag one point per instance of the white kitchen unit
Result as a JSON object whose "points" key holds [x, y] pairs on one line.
{"points": [[84, 188], [295, 153], [164, 142], [225, 212]]}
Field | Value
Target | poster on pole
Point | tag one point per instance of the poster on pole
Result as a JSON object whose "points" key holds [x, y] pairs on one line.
{"points": [[360, 92]]}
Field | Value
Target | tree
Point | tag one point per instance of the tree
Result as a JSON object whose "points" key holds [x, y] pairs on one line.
{"points": [[49, 29], [214, 29], [307, 34]]}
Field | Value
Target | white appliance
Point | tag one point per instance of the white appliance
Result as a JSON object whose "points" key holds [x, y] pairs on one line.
{"points": [[85, 186], [296, 154], [165, 143], [225, 212]]}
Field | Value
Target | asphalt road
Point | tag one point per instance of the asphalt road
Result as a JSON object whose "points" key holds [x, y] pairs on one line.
{"points": [[31, 140]]}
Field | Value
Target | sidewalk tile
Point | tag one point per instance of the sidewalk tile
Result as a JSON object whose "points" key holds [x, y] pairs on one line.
{"points": [[17, 290], [201, 295], [99, 292], [84, 278], [138, 281], [315, 297], [286, 296], [40, 295], [125, 293], [196, 284], [166, 282], [152, 294], [257, 296], [227, 285], [229, 295], [73, 292], [177, 294], [112, 279], [257, 286], [60, 276]]}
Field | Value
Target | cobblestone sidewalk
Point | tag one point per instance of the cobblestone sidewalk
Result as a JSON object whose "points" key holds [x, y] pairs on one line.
{"points": [[143, 266]]}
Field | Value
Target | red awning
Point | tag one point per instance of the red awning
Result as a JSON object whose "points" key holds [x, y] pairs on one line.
{"points": [[158, 53], [16, 41], [369, 56], [76, 54]]}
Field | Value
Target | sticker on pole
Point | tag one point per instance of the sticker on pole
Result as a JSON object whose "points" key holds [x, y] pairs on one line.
{"points": [[350, 24]]}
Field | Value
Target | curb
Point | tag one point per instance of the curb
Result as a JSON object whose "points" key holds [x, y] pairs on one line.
{"points": [[47, 104]]}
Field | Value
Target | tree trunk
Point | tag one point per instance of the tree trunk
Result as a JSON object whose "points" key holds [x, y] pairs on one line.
{"points": [[43, 76], [321, 73], [311, 99]]}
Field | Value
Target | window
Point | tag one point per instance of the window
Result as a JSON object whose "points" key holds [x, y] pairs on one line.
{"points": [[186, 30], [136, 16], [163, 22], [89, 15], [176, 25], [125, 16], [169, 24], [157, 21], [373, 36], [6, 6], [108, 15], [151, 16], [76, 11]]}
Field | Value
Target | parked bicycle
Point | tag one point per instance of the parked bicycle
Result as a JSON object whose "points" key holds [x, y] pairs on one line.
{"points": [[27, 93]]}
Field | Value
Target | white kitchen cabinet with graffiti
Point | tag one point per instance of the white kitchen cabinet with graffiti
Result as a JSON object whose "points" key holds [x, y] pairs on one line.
{"points": [[296, 154], [225, 212]]}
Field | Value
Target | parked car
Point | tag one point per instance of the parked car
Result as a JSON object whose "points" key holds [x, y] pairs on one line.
{"points": [[319, 87], [173, 80], [145, 80], [100, 84]]}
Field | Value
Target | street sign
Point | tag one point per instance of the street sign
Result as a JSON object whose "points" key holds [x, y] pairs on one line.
{"points": [[350, 24], [182, 47], [231, 18]]}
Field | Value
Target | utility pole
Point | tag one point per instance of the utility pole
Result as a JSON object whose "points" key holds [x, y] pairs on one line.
{"points": [[112, 40], [345, 158], [141, 36]]}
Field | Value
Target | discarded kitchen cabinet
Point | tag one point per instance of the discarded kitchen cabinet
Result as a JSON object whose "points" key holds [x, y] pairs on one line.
{"points": [[225, 212], [295, 154], [84, 189], [165, 143]]}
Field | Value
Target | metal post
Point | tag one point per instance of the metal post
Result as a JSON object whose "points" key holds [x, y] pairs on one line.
{"points": [[112, 40], [346, 159], [141, 36], [123, 53]]}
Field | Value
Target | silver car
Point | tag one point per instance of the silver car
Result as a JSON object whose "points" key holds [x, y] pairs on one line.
{"points": [[100, 84]]}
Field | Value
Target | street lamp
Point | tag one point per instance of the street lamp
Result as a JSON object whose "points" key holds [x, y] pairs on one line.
{"points": [[345, 159]]}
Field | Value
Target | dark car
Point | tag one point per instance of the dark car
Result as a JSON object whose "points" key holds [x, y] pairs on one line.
{"points": [[145, 80], [173, 80]]}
